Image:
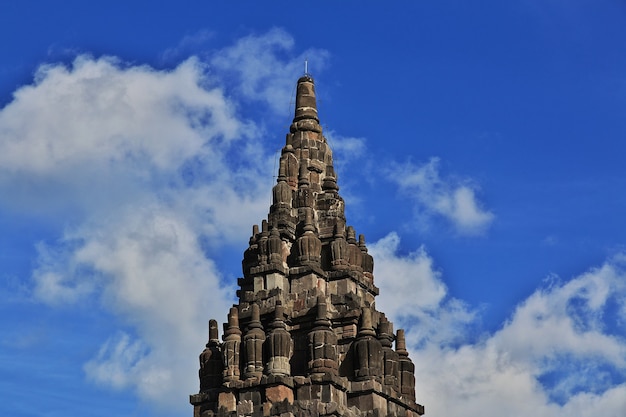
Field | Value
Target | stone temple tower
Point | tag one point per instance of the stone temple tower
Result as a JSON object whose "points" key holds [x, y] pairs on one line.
{"points": [[306, 338]]}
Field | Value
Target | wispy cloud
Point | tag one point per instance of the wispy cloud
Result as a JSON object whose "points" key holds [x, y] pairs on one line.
{"points": [[448, 198], [188, 45], [258, 71]]}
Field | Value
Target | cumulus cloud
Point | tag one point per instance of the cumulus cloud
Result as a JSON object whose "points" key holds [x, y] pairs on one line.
{"points": [[455, 201], [555, 356], [137, 143], [154, 275], [158, 169], [150, 173], [98, 132], [413, 294]]}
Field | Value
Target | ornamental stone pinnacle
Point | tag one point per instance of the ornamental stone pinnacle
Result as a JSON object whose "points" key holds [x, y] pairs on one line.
{"points": [[305, 338]]}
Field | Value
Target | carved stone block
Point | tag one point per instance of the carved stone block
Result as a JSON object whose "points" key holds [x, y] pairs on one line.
{"points": [[279, 393]]}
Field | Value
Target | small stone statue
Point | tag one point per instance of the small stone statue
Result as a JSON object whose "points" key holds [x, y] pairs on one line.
{"points": [[322, 343], [367, 260], [368, 352], [275, 246], [355, 258], [211, 364], [309, 245], [232, 346], [391, 371], [253, 346], [282, 192], [279, 345], [339, 249], [407, 367]]}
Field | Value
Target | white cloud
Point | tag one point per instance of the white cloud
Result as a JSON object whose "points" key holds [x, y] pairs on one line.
{"points": [[400, 276], [112, 115], [413, 293], [155, 276], [255, 63], [100, 132], [346, 150], [55, 285], [146, 157], [556, 356], [187, 45], [347, 146], [433, 195], [115, 358], [151, 173]]}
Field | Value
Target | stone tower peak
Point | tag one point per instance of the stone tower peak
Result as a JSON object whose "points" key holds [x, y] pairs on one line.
{"points": [[305, 117], [305, 338]]}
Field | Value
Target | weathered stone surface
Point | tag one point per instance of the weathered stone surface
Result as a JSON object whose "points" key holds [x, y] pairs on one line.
{"points": [[313, 342], [245, 408], [322, 343], [279, 393], [253, 346], [391, 370], [407, 368], [279, 345], [227, 401], [368, 352], [211, 363], [232, 346]]}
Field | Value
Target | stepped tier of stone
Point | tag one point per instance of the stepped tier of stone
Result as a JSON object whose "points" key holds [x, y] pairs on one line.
{"points": [[305, 338]]}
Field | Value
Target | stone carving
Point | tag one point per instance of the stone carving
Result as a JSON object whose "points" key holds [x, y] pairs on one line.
{"points": [[251, 255], [262, 243], [279, 345], [211, 364], [303, 177], [407, 368], [253, 346], [355, 258], [339, 249], [307, 282], [322, 343], [368, 352], [330, 180], [367, 262], [275, 246], [232, 346], [291, 166], [309, 245], [391, 371], [282, 192]]}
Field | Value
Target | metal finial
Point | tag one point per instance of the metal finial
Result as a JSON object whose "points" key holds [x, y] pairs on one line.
{"points": [[306, 66]]}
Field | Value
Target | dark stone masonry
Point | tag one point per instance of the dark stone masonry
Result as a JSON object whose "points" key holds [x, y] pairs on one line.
{"points": [[305, 338]]}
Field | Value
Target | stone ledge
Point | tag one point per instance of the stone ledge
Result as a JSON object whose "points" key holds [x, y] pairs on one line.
{"points": [[359, 388], [263, 269], [327, 378], [287, 381], [357, 277], [196, 399], [296, 271]]}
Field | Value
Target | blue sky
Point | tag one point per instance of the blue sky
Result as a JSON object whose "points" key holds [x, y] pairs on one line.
{"points": [[479, 147]]}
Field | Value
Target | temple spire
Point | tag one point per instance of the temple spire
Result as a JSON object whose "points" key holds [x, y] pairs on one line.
{"points": [[305, 117], [305, 338]]}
